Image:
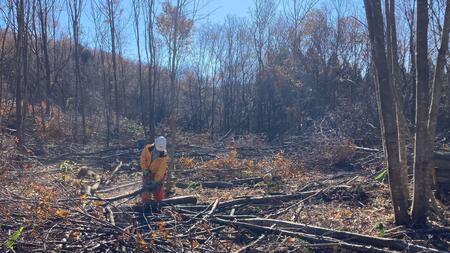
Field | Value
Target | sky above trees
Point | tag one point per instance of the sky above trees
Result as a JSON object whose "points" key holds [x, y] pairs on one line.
{"points": [[211, 12]]}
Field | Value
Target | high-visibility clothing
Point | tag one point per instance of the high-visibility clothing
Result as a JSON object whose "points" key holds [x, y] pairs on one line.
{"points": [[154, 167]]}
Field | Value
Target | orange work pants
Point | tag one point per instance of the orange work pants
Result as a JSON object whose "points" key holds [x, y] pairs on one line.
{"points": [[158, 193]]}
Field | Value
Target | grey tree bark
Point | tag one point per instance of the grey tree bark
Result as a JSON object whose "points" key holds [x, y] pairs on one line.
{"points": [[387, 109], [422, 182]]}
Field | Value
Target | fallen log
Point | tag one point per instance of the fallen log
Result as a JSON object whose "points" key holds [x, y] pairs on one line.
{"points": [[190, 199], [179, 200], [115, 188], [311, 238], [225, 185], [441, 231], [115, 198], [379, 242], [258, 200], [264, 199], [212, 184], [364, 149], [191, 208]]}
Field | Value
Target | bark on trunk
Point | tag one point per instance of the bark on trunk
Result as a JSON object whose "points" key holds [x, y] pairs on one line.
{"points": [[422, 177], [387, 109]]}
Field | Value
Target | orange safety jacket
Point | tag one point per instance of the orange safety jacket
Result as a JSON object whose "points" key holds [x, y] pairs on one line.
{"points": [[154, 169]]}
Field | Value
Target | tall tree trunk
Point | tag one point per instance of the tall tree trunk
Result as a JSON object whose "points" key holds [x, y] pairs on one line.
{"points": [[112, 26], [75, 8], [152, 69], [173, 96], [136, 12], [20, 66], [387, 109], [394, 70], [438, 83], [422, 176], [424, 163], [43, 17]]}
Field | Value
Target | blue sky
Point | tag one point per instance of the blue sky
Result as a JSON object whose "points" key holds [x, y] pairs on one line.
{"points": [[217, 11], [222, 8]]}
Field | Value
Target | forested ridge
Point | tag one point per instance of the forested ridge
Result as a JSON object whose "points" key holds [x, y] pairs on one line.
{"points": [[276, 72], [293, 124]]}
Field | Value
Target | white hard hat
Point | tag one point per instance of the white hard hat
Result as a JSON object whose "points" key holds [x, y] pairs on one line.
{"points": [[160, 143]]}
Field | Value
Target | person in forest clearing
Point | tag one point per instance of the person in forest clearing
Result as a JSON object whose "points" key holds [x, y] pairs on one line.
{"points": [[153, 163]]}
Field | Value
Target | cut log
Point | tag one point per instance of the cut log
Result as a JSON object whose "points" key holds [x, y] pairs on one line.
{"points": [[364, 149], [212, 184], [226, 185], [115, 188], [379, 242], [179, 200], [265, 199], [190, 199], [191, 208], [311, 238]]}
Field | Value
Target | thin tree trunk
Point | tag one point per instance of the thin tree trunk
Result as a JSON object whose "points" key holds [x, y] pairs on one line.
{"points": [[173, 97], [422, 185], [43, 17], [386, 109], [438, 83], [394, 69], [136, 12], [152, 68], [112, 27], [20, 67]]}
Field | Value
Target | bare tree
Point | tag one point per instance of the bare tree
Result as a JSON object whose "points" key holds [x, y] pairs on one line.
{"points": [[421, 183], [150, 49], [136, 15], [394, 74], [386, 103], [3, 40], [21, 66], [175, 25], [263, 18], [75, 10], [101, 42], [427, 108], [44, 8], [111, 12], [295, 12]]}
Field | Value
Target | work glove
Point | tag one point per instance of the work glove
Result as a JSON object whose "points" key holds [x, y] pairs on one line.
{"points": [[151, 185]]}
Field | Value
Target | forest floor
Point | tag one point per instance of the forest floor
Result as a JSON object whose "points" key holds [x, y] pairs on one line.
{"points": [[235, 195]]}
